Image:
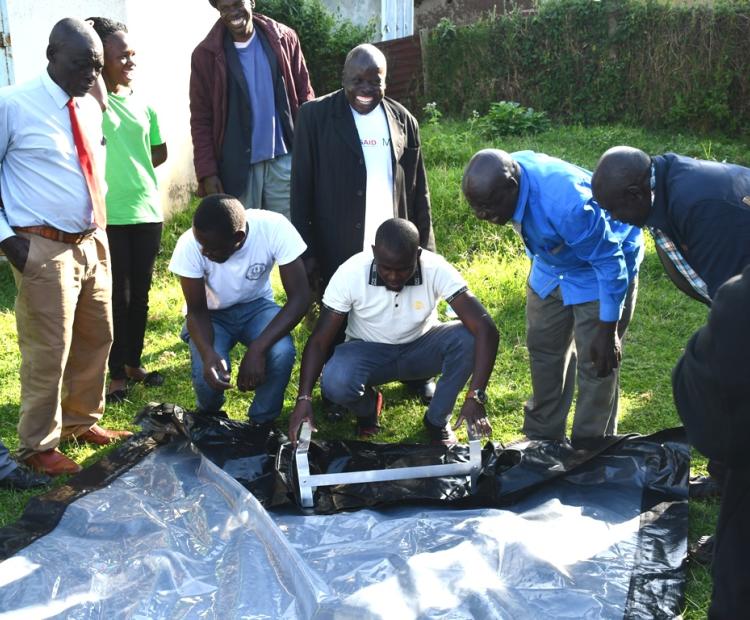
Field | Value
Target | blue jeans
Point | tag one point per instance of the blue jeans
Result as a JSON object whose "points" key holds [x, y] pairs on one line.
{"points": [[244, 323], [447, 349]]}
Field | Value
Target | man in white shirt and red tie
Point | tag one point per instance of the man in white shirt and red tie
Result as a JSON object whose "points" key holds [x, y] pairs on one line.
{"points": [[52, 232]]}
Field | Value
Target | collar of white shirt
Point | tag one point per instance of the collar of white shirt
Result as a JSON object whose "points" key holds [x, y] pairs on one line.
{"points": [[59, 96]]}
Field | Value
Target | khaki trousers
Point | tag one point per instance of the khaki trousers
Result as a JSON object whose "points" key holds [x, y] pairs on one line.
{"points": [[559, 338], [64, 322]]}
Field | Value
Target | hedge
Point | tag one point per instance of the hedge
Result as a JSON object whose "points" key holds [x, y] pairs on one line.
{"points": [[590, 61]]}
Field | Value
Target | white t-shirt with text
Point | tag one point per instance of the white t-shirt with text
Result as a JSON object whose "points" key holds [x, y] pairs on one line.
{"points": [[375, 138], [244, 277]]}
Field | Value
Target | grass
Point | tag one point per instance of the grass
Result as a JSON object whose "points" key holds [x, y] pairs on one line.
{"points": [[495, 265]]}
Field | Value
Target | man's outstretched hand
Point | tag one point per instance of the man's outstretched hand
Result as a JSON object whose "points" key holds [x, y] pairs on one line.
{"points": [[475, 417]]}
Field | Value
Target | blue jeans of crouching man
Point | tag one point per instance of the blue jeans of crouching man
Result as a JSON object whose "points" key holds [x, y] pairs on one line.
{"points": [[244, 323], [447, 349]]}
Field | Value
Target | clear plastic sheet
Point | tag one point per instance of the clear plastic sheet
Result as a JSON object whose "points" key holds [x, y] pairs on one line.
{"points": [[173, 537], [177, 537]]}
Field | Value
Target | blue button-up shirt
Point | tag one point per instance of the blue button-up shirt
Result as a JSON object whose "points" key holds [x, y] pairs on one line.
{"points": [[570, 240]]}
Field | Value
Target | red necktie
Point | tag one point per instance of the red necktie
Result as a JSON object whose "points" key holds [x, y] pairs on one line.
{"points": [[86, 157]]}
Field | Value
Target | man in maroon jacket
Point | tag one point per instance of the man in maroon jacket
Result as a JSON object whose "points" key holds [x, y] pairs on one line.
{"points": [[247, 82]]}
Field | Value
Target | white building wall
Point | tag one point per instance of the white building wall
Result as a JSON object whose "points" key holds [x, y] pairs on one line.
{"points": [[165, 33], [359, 12]]}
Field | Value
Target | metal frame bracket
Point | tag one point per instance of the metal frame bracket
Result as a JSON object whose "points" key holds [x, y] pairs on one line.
{"points": [[309, 482]]}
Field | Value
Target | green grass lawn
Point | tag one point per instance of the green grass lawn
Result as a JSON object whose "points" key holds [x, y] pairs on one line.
{"points": [[495, 265]]}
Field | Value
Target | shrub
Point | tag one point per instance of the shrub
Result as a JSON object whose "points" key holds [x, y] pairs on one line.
{"points": [[509, 118]]}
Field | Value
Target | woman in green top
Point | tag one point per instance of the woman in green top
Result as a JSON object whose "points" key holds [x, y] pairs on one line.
{"points": [[134, 215]]}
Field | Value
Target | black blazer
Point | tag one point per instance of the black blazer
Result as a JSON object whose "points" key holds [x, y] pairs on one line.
{"points": [[329, 179]]}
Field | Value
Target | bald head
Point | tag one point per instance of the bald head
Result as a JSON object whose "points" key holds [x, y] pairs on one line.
{"points": [[75, 56], [621, 184], [365, 54], [490, 185], [363, 78]]}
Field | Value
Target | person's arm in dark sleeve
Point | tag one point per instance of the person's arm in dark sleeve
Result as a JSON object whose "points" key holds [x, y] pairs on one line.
{"points": [[201, 127], [302, 195], [298, 67], [419, 196]]}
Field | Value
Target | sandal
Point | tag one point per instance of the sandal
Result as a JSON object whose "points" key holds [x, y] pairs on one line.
{"points": [[151, 379], [116, 397]]}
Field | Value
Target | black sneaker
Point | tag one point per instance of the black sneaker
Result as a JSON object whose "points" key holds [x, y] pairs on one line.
{"points": [[333, 411], [370, 426], [439, 435], [23, 478]]}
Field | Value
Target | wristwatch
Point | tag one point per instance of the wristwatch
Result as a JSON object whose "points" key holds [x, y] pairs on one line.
{"points": [[478, 395]]}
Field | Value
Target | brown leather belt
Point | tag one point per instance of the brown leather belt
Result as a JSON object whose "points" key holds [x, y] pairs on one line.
{"points": [[56, 235]]}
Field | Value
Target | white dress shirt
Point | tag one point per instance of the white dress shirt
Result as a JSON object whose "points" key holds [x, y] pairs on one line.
{"points": [[41, 182]]}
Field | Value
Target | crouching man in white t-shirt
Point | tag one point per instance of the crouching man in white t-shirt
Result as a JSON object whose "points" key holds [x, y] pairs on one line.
{"points": [[224, 263], [390, 298]]}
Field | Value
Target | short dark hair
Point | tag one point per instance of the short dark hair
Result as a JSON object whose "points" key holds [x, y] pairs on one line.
{"points": [[398, 236], [220, 213], [213, 3], [106, 27]]}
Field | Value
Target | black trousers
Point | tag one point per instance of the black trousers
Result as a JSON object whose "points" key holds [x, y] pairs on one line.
{"points": [[133, 248], [731, 564]]}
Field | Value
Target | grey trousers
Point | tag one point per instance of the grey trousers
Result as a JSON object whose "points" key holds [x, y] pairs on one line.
{"points": [[268, 185], [559, 338]]}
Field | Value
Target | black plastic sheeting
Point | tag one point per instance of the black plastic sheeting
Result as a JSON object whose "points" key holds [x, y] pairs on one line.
{"points": [[650, 472], [659, 462]]}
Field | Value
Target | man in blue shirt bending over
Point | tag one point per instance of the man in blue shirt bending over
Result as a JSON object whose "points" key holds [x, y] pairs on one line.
{"points": [[581, 290]]}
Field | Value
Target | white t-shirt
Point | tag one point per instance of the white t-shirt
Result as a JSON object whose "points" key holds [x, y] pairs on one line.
{"points": [[245, 275], [391, 317], [375, 138]]}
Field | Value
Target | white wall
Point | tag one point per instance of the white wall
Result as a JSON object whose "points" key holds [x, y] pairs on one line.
{"points": [[165, 33], [360, 12]]}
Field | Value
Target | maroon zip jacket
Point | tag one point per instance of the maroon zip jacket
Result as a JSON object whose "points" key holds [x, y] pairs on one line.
{"points": [[208, 88]]}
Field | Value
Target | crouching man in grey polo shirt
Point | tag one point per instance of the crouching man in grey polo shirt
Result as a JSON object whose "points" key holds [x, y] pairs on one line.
{"points": [[389, 297]]}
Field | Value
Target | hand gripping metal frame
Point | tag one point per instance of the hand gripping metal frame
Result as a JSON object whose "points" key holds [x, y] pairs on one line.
{"points": [[308, 482]]}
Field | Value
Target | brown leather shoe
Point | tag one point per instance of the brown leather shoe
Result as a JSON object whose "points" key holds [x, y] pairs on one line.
{"points": [[102, 436], [52, 463]]}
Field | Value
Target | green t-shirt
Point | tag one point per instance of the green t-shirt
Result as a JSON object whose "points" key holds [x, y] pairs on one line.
{"points": [[131, 128]]}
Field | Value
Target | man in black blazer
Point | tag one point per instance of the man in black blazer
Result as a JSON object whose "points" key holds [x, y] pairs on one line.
{"points": [[357, 161]]}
